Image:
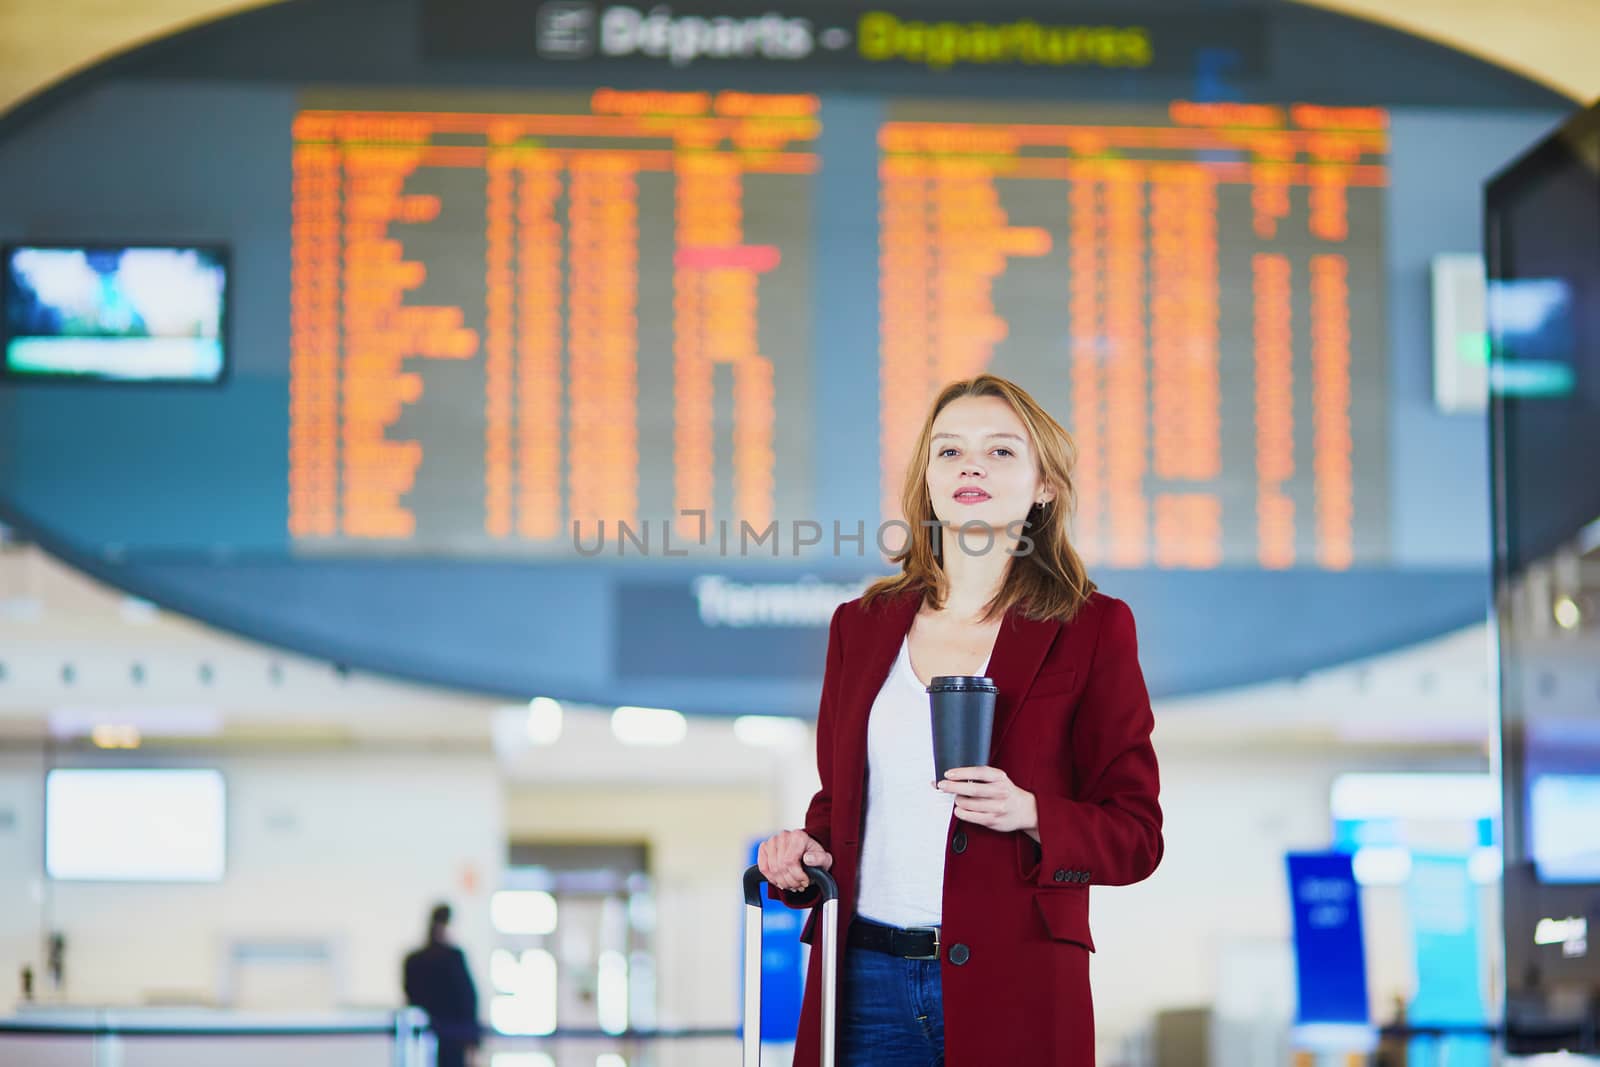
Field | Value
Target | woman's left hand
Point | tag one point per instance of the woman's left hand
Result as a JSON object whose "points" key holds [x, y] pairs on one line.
{"points": [[988, 797]]}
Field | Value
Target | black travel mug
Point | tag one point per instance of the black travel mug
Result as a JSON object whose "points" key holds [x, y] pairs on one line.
{"points": [[962, 709]]}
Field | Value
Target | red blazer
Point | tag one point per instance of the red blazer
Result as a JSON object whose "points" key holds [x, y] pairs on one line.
{"points": [[1072, 726]]}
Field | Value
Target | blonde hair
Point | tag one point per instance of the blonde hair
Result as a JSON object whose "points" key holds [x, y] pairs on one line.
{"points": [[1047, 580]]}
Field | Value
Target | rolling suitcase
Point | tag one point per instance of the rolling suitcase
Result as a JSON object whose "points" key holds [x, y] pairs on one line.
{"points": [[754, 885]]}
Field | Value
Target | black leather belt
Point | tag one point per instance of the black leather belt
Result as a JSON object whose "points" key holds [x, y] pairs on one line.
{"points": [[920, 943]]}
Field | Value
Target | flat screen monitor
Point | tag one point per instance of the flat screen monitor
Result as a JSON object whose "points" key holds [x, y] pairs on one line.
{"points": [[138, 825], [1564, 823], [122, 313]]}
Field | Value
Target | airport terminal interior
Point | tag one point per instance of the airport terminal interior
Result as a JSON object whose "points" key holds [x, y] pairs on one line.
{"points": [[437, 438]]}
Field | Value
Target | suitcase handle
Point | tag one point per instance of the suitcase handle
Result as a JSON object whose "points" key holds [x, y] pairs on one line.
{"points": [[829, 946], [754, 880]]}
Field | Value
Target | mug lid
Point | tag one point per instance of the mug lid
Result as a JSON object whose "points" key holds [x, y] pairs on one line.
{"points": [[958, 683]]}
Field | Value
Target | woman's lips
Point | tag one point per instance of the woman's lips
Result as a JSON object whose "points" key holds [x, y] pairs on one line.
{"points": [[970, 496]]}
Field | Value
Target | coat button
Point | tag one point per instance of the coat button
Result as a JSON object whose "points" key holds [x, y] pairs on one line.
{"points": [[958, 843], [1083, 876], [1061, 876], [959, 954]]}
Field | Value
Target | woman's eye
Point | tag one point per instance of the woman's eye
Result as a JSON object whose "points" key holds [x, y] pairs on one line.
{"points": [[1006, 451], [945, 451]]}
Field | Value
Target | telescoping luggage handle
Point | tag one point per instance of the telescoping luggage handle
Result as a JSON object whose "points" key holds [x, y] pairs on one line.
{"points": [[829, 902]]}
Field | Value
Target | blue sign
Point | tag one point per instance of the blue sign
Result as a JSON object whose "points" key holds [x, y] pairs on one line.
{"points": [[1443, 908], [783, 975], [1330, 960]]}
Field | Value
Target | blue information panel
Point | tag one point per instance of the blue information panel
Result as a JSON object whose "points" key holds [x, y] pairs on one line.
{"points": [[1330, 960]]}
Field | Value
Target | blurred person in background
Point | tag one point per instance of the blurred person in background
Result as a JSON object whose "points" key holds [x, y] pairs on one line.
{"points": [[437, 981]]}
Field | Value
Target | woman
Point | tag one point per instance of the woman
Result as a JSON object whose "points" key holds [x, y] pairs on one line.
{"points": [[964, 904]]}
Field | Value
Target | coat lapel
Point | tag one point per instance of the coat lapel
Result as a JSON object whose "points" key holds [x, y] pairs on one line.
{"points": [[1019, 651]]}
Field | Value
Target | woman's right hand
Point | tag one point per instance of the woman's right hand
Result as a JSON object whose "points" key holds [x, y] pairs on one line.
{"points": [[784, 857]]}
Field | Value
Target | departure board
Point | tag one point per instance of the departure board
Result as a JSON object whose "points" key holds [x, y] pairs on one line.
{"points": [[506, 322], [526, 316], [1196, 293]]}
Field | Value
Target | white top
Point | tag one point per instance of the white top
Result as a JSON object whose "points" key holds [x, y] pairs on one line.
{"points": [[908, 820]]}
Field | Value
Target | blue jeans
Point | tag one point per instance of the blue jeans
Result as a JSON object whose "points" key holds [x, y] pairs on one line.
{"points": [[891, 1011]]}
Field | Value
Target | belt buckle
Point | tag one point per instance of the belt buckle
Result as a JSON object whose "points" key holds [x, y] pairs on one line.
{"points": [[934, 930]]}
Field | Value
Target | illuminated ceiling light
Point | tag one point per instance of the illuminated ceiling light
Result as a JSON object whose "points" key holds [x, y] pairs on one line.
{"points": [[770, 731], [544, 721], [649, 726], [1567, 613], [523, 911], [115, 735], [1381, 865]]}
